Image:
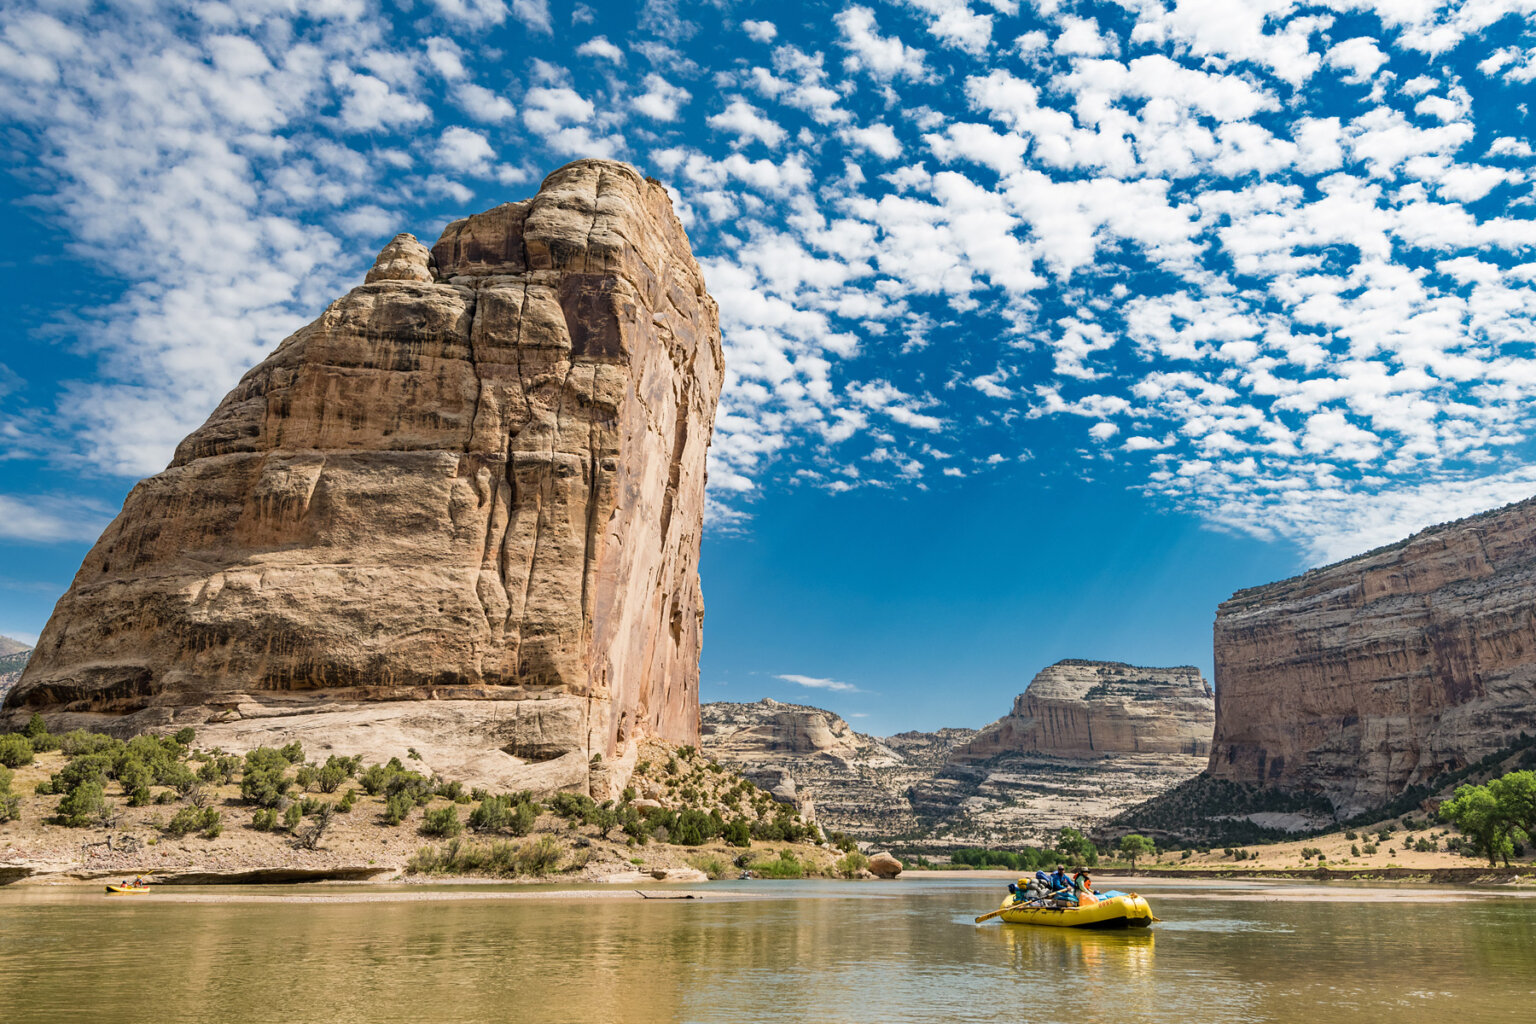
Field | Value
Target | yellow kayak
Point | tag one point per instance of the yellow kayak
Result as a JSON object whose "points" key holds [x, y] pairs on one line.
{"points": [[127, 888], [1124, 910]]}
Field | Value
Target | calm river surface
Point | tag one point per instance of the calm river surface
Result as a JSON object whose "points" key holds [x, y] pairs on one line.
{"points": [[763, 951]]}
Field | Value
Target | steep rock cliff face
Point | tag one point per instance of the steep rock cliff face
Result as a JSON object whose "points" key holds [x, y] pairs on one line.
{"points": [[13, 658], [1090, 708], [1357, 680], [464, 505]]}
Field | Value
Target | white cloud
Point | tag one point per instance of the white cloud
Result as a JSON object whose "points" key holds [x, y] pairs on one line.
{"points": [[661, 99], [600, 47], [748, 124], [465, 151], [812, 682], [1360, 57], [878, 139], [483, 105], [882, 57], [760, 31], [51, 519]]}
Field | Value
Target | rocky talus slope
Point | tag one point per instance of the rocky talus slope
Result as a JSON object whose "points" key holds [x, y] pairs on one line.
{"points": [[1360, 679], [460, 511]]}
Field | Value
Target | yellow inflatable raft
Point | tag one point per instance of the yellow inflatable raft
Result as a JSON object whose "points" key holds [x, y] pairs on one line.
{"points": [[1122, 910], [127, 888]]}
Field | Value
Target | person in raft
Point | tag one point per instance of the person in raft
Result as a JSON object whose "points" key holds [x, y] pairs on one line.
{"points": [[1082, 889]]}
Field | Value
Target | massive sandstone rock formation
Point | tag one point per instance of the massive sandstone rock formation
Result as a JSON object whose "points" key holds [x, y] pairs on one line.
{"points": [[1090, 708], [461, 509], [1357, 680]]}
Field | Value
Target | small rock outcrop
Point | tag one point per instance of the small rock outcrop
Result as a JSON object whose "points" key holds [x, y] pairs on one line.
{"points": [[883, 865], [460, 510], [1091, 708], [1357, 680]]}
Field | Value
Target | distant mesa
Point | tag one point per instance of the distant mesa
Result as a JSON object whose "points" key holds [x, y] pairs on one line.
{"points": [[13, 658], [1358, 680], [461, 511], [1078, 708]]}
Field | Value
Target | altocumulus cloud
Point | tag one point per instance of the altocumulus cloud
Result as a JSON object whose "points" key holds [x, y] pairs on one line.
{"points": [[1268, 264]]}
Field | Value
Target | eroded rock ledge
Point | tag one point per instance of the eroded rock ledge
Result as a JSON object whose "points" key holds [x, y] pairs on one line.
{"points": [[461, 510]]}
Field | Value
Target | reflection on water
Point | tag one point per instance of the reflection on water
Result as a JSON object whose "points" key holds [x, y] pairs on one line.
{"points": [[816, 952]]}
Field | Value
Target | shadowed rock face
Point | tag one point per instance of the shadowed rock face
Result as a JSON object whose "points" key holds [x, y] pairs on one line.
{"points": [[1360, 679], [1089, 708], [473, 488]]}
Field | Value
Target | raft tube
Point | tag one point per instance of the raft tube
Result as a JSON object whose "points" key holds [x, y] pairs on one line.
{"points": [[1123, 910]]}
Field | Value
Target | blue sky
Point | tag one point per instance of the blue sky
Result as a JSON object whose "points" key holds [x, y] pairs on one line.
{"points": [[1047, 325]]}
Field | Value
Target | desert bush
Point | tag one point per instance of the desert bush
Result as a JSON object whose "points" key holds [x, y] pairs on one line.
{"points": [[185, 736], [15, 750], [82, 768], [84, 805], [738, 832], [451, 790], [213, 823], [711, 865], [785, 865], [442, 821], [500, 857], [397, 807], [10, 803], [265, 819], [292, 816], [188, 819], [264, 780], [293, 752], [695, 828], [334, 772], [851, 863], [412, 785], [78, 741], [375, 779], [347, 800], [305, 776], [135, 778], [177, 776], [219, 769]]}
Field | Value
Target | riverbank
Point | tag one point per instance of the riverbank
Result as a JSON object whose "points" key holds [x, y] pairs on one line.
{"points": [[667, 828], [1120, 878]]}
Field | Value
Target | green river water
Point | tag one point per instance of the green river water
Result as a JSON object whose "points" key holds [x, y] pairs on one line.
{"points": [[1289, 952]]}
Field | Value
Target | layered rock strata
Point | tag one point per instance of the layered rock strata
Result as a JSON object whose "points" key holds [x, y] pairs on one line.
{"points": [[463, 506], [13, 658], [1080, 708], [1360, 679]]}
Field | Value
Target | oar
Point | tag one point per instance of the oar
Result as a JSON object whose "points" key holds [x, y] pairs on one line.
{"points": [[1035, 904]]}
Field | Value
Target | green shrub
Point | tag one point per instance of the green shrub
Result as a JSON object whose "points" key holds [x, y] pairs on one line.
{"points": [[36, 728], [15, 750], [265, 819], [442, 821], [185, 736], [311, 805], [335, 771], [739, 833], [500, 858], [711, 865], [219, 769], [397, 807], [264, 781], [851, 863], [188, 819], [292, 816], [177, 776], [135, 778], [450, 790], [78, 741], [347, 800], [695, 828], [375, 779], [84, 805], [786, 865], [293, 753], [82, 768], [10, 803], [213, 823], [305, 776], [412, 785]]}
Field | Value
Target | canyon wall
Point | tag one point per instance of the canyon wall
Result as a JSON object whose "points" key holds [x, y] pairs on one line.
{"points": [[1360, 679], [461, 509], [1080, 709]]}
